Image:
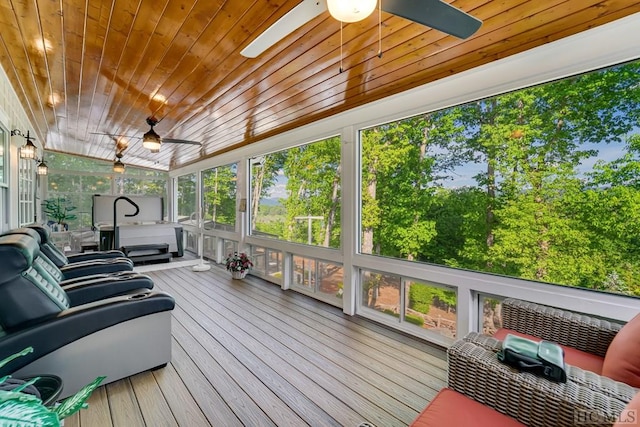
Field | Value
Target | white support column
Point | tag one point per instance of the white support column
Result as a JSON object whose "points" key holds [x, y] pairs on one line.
{"points": [[287, 269], [349, 206], [466, 311]]}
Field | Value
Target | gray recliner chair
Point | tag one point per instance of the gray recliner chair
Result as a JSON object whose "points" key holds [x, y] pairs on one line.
{"points": [[116, 337], [81, 289], [60, 259], [77, 269]]}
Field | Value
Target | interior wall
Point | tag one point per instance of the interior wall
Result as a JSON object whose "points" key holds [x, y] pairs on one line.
{"points": [[13, 116]]}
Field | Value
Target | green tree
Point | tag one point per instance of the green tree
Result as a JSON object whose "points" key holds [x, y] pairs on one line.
{"points": [[219, 194], [313, 181]]}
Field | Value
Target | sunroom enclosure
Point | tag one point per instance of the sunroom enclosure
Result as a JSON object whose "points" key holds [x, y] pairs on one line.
{"points": [[514, 179]]}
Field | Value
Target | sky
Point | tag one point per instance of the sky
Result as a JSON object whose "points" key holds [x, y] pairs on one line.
{"points": [[463, 175]]}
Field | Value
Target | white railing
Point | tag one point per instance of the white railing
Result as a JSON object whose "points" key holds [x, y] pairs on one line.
{"points": [[470, 286]]}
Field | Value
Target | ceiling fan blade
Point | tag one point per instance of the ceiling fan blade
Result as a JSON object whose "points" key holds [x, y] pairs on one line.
{"points": [[180, 141], [294, 19], [435, 14]]}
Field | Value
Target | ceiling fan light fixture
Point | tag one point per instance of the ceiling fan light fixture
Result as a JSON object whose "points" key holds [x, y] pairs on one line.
{"points": [[351, 10], [118, 166], [151, 140]]}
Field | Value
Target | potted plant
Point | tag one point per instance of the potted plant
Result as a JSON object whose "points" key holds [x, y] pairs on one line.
{"points": [[238, 264], [59, 209]]}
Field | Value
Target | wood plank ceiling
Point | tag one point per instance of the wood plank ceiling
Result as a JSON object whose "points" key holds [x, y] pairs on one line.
{"points": [[82, 66]]}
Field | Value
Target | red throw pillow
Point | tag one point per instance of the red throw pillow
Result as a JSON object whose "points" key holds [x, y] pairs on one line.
{"points": [[622, 361]]}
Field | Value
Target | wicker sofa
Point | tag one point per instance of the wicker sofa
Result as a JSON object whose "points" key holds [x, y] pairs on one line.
{"points": [[593, 344], [602, 362], [485, 392]]}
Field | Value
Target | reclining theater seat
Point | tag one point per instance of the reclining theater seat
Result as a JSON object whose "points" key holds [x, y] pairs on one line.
{"points": [[59, 258], [82, 289], [75, 269], [116, 337]]}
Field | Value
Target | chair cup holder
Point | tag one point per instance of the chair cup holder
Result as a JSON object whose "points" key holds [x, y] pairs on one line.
{"points": [[139, 296], [49, 386]]}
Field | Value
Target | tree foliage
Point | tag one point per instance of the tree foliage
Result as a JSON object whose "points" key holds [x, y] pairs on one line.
{"points": [[533, 209], [541, 183]]}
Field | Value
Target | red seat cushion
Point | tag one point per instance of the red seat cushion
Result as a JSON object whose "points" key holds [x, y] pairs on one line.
{"points": [[572, 356], [452, 409], [622, 361]]}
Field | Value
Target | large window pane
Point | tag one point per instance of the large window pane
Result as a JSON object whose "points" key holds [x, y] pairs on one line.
{"points": [[318, 277], [490, 314], [541, 184], [296, 194], [26, 186], [78, 190], [219, 193], [431, 307], [77, 179], [187, 199], [381, 292]]}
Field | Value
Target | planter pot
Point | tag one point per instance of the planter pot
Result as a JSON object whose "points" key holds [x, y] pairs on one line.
{"points": [[238, 274]]}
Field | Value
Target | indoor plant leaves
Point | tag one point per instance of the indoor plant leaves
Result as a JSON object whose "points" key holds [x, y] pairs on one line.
{"points": [[76, 402], [23, 410]]}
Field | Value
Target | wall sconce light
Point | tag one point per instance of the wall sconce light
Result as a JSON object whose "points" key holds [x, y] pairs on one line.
{"points": [[43, 169], [28, 150]]}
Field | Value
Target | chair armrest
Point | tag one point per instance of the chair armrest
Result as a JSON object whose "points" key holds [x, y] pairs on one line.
{"points": [[86, 268], [90, 256], [591, 380], [100, 288], [534, 401], [575, 330]]}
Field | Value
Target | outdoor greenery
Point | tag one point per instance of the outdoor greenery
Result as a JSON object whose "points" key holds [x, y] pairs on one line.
{"points": [[555, 193], [422, 296], [542, 183], [219, 193], [77, 179], [186, 197], [312, 175]]}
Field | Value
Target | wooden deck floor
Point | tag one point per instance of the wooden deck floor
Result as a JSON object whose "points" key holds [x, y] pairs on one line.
{"points": [[248, 353]]}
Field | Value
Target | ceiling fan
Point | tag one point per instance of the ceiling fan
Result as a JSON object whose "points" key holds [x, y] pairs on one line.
{"points": [[150, 140], [432, 13]]}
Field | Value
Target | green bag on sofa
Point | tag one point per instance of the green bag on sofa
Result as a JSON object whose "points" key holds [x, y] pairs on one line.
{"points": [[545, 359]]}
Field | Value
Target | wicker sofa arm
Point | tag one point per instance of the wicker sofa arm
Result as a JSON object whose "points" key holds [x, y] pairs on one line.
{"points": [[591, 380], [534, 401], [575, 330]]}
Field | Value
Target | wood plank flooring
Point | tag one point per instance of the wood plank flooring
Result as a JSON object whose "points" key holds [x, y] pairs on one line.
{"points": [[247, 353]]}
